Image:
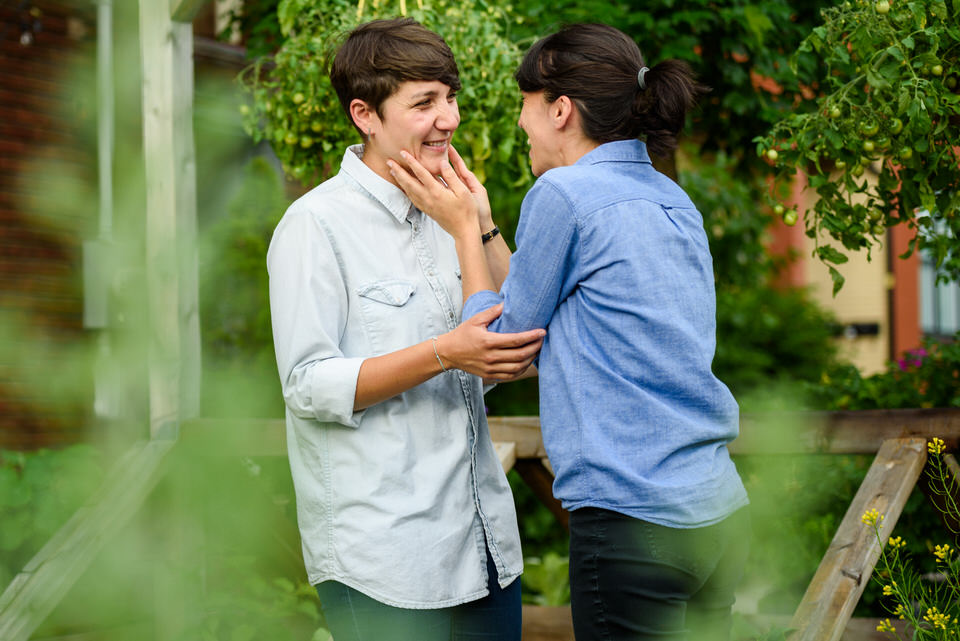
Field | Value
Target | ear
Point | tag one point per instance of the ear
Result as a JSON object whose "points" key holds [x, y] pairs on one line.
{"points": [[563, 112], [364, 116]]}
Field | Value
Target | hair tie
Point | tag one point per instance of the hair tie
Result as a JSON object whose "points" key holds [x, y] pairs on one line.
{"points": [[640, 77]]}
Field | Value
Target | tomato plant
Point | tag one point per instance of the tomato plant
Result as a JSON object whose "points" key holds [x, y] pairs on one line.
{"points": [[294, 107], [885, 128]]}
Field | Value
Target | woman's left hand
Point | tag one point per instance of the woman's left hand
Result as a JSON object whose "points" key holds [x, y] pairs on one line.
{"points": [[450, 202]]}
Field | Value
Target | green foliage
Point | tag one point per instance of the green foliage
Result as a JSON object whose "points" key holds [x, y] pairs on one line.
{"points": [[239, 369], [546, 579], [729, 44], [925, 377], [39, 491], [790, 535], [767, 335], [295, 108], [764, 333], [927, 601], [890, 103]]}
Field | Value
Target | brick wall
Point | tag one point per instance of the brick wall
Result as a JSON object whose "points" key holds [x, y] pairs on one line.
{"points": [[41, 301]]}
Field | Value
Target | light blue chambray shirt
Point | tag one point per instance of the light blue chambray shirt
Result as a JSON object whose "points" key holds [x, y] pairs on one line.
{"points": [[613, 260], [399, 500]]}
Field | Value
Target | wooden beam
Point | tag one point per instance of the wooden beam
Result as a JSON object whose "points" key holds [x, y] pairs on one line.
{"points": [[46, 579], [186, 10], [846, 567], [522, 430], [547, 623], [171, 229], [852, 432], [861, 432], [507, 453]]}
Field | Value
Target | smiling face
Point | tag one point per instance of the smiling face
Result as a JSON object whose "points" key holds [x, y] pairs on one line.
{"points": [[420, 118], [537, 123]]}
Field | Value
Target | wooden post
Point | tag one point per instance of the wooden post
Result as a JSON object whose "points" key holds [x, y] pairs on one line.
{"points": [[171, 248], [828, 604]]}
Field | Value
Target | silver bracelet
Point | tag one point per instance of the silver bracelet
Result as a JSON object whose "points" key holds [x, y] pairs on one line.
{"points": [[436, 353]]}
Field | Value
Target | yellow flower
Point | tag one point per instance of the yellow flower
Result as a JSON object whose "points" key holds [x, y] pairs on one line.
{"points": [[935, 446], [885, 626], [896, 542], [942, 552], [872, 517], [936, 618], [900, 613], [891, 589]]}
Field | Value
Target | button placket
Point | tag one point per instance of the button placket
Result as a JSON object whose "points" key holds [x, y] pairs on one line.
{"points": [[428, 266]]}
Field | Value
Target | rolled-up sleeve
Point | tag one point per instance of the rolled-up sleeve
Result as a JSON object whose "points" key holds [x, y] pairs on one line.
{"points": [[541, 271], [308, 307]]}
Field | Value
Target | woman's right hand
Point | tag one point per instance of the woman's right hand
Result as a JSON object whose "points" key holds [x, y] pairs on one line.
{"points": [[476, 188], [448, 200], [492, 356]]}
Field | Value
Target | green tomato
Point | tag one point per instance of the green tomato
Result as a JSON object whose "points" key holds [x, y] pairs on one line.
{"points": [[878, 229], [883, 7], [896, 126], [936, 70], [835, 112], [316, 126], [857, 171], [790, 217], [840, 164], [906, 153], [298, 98], [868, 146], [291, 138], [306, 142], [951, 82], [869, 128], [778, 209], [772, 154]]}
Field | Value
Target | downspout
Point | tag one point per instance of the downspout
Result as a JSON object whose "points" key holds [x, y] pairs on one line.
{"points": [[105, 120], [98, 252]]}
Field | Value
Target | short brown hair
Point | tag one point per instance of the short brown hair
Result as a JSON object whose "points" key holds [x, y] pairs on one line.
{"points": [[379, 55]]}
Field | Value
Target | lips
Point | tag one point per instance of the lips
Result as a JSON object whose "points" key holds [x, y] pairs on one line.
{"points": [[436, 145]]}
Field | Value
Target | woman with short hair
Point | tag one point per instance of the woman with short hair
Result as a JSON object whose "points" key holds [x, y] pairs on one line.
{"points": [[407, 522]]}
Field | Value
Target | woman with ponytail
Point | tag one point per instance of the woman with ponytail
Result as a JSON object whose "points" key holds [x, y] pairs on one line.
{"points": [[613, 260]]}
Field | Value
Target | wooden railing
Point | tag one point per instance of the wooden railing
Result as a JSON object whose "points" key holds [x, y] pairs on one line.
{"points": [[897, 438]]}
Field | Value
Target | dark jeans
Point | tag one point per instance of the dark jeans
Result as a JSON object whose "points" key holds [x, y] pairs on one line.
{"points": [[353, 616], [630, 579]]}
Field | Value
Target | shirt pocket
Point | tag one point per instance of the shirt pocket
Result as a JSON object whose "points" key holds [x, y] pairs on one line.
{"points": [[392, 314]]}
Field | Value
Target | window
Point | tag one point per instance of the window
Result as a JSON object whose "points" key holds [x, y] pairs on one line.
{"points": [[939, 304]]}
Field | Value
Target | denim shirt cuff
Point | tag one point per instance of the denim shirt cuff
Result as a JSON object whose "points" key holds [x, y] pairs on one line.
{"points": [[335, 391], [480, 301]]}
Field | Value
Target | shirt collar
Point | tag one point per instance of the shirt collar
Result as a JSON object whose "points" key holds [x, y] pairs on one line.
{"points": [[387, 194], [622, 150]]}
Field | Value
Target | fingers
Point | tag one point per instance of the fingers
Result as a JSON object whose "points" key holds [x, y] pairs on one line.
{"points": [[519, 339], [418, 170], [487, 316], [461, 168], [408, 183]]}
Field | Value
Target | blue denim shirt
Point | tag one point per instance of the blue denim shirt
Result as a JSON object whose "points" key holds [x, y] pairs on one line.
{"points": [[400, 500], [613, 260]]}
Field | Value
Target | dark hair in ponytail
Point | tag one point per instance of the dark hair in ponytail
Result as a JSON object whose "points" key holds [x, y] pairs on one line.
{"points": [[596, 66]]}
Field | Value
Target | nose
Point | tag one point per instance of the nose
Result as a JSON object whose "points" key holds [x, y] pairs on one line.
{"points": [[448, 116]]}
